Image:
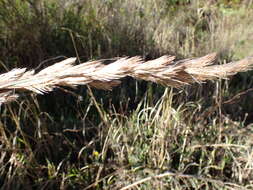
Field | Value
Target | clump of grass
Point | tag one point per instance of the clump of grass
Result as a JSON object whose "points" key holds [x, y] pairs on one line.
{"points": [[160, 147]]}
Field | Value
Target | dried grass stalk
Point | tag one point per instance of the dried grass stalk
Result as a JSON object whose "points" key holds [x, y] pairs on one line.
{"points": [[164, 70]]}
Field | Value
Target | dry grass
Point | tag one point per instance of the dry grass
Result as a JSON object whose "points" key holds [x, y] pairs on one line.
{"points": [[164, 70], [198, 138]]}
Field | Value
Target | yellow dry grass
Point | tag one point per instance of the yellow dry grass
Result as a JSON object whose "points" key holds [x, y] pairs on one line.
{"points": [[164, 70]]}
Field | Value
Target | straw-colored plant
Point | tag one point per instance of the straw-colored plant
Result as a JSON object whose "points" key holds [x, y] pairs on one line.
{"points": [[164, 70]]}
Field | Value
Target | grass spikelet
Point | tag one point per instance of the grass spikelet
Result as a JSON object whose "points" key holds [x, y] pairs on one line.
{"points": [[163, 70]]}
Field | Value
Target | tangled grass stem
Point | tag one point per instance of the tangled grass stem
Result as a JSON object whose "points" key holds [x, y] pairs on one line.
{"points": [[221, 184], [164, 70]]}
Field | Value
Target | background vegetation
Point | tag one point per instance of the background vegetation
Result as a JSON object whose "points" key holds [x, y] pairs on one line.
{"points": [[199, 137]]}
